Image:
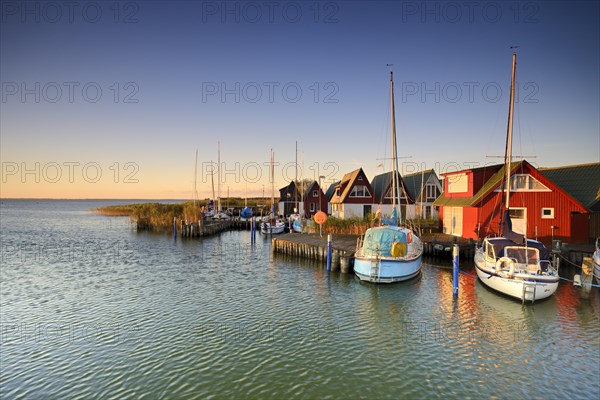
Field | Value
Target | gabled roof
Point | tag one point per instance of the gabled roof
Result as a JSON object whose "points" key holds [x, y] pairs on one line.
{"points": [[310, 188], [291, 189], [346, 185], [381, 184], [331, 190], [487, 187], [414, 182], [582, 182]]}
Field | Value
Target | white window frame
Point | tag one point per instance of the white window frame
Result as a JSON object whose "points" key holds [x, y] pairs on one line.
{"points": [[430, 191], [551, 216], [528, 179], [312, 207], [315, 193], [354, 191]]}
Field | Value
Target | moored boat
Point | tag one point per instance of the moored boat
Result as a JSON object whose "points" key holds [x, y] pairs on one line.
{"points": [[512, 264], [389, 253], [596, 257]]}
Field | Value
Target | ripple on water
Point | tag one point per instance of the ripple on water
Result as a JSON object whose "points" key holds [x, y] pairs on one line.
{"points": [[144, 316]]}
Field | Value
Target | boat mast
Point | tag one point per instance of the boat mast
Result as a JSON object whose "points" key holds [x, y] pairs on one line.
{"points": [[395, 183], [272, 184], [194, 195], [296, 182], [212, 182], [509, 130], [219, 177]]}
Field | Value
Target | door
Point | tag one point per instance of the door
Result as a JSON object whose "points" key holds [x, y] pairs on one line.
{"points": [[518, 217], [580, 227], [453, 220], [367, 210]]}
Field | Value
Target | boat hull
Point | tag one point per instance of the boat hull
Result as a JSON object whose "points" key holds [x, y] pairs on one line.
{"points": [[382, 270], [514, 287], [267, 229], [597, 266]]}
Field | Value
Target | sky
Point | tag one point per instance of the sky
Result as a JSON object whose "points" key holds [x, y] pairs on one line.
{"points": [[105, 99]]}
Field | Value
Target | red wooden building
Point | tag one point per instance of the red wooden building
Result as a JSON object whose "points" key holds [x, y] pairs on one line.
{"points": [[314, 200], [353, 196], [472, 202]]}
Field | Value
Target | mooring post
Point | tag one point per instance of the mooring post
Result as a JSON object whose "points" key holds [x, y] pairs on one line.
{"points": [[329, 245], [175, 227], [455, 252], [253, 230]]}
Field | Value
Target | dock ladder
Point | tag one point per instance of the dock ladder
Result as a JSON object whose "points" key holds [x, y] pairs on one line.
{"points": [[528, 292]]}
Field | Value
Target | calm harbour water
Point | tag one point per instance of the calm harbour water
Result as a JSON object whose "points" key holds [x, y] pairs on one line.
{"points": [[92, 309]]}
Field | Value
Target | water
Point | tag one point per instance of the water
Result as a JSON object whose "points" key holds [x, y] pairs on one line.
{"points": [[92, 309]]}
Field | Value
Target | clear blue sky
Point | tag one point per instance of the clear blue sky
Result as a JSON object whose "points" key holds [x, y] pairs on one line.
{"points": [[179, 76]]}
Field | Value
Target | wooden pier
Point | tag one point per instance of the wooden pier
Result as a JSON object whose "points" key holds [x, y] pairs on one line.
{"points": [[207, 227], [314, 247]]}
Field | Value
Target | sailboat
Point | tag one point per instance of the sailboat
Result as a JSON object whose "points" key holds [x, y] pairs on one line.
{"points": [[389, 253], [219, 214], [512, 264], [296, 217], [210, 208], [272, 226], [596, 258]]}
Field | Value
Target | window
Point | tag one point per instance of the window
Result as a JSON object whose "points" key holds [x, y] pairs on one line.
{"points": [[525, 183], [400, 191], [312, 207], [360, 191], [315, 193], [430, 192], [518, 213], [489, 251], [337, 191], [547, 213], [359, 178], [458, 183]]}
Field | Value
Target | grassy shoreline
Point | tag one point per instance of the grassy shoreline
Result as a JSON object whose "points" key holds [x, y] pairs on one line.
{"points": [[159, 217]]}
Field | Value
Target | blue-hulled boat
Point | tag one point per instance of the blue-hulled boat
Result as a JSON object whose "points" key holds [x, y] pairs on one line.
{"points": [[389, 253]]}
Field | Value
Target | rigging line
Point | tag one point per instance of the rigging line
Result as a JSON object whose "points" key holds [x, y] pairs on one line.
{"points": [[518, 96], [582, 283]]}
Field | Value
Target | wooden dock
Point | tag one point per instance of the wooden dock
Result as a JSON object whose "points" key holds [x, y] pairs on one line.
{"points": [[314, 247]]}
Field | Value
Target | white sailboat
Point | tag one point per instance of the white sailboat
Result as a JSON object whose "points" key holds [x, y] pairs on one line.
{"points": [[512, 264], [272, 226], [296, 217], [596, 257], [389, 253], [210, 208], [219, 214]]}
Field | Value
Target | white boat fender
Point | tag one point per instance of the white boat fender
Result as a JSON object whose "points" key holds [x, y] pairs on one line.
{"points": [[505, 261], [577, 281]]}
